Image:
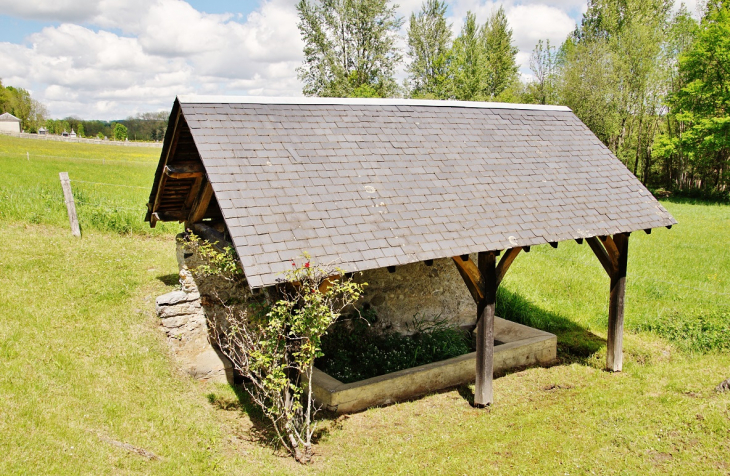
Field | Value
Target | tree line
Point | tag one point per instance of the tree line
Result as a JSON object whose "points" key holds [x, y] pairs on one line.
{"points": [[148, 126], [652, 84]]}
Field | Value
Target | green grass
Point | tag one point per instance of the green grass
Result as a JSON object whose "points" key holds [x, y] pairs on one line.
{"points": [[83, 362], [30, 190]]}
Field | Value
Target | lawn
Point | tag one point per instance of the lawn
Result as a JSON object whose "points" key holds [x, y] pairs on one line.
{"points": [[84, 368]]}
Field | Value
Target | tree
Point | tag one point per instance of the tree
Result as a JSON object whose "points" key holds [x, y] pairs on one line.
{"points": [[501, 57], [703, 102], [544, 65], [612, 75], [429, 44], [349, 47], [120, 132], [467, 69], [80, 130]]}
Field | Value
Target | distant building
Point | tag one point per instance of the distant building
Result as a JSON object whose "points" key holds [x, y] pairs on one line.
{"points": [[64, 134], [9, 123], [42, 131], [72, 134]]}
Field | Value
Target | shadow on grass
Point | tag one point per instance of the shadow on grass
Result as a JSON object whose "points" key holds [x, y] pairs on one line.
{"points": [[262, 430], [169, 279], [575, 342]]}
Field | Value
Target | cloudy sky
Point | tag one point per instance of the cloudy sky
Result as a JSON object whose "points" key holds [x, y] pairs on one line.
{"points": [[108, 59]]}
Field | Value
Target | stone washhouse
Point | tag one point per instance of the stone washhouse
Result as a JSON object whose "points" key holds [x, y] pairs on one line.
{"points": [[431, 200]]}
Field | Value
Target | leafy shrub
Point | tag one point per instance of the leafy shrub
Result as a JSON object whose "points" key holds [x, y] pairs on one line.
{"points": [[353, 350]]}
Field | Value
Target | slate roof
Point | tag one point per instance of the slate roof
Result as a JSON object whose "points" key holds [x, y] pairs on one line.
{"points": [[376, 183], [7, 117]]}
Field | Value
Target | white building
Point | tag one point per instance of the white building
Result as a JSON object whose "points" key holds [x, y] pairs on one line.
{"points": [[9, 123]]}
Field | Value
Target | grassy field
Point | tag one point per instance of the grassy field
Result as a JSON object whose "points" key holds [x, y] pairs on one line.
{"points": [[84, 368], [111, 184]]}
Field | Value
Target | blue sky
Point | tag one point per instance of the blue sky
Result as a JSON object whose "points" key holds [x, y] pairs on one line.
{"points": [[108, 59]]}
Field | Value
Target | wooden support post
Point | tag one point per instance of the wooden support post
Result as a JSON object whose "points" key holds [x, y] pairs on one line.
{"points": [[70, 205], [614, 357], [483, 394]]}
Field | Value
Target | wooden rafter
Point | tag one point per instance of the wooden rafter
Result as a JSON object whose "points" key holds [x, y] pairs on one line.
{"points": [[186, 171], [163, 179], [471, 276], [200, 204]]}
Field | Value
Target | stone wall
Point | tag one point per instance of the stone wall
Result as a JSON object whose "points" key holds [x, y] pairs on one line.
{"points": [[417, 289], [412, 290], [184, 319]]}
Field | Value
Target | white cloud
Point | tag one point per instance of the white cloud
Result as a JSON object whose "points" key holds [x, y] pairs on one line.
{"points": [[145, 53]]}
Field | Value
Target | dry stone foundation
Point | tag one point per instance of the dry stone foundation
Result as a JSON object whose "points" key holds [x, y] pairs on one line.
{"points": [[183, 319]]}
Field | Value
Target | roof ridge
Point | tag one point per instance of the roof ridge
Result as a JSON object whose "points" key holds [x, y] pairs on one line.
{"points": [[303, 100]]}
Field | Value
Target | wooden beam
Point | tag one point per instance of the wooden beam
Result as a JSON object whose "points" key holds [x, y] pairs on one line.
{"points": [[200, 205], [471, 276], [163, 179], [184, 171], [212, 236], [483, 392], [614, 356], [506, 262], [612, 251], [602, 255]]}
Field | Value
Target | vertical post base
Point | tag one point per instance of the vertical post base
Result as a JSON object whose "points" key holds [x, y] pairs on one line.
{"points": [[483, 394], [615, 338]]}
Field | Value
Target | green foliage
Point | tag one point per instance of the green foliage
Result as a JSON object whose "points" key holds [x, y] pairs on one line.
{"points": [[544, 65], [274, 344], [701, 106], [429, 45], [349, 47], [120, 132], [19, 103], [355, 351], [80, 130], [468, 67], [483, 63]]}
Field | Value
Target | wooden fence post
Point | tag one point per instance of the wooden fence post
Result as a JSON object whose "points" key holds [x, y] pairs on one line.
{"points": [[70, 205]]}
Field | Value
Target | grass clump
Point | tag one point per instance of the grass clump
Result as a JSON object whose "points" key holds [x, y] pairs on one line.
{"points": [[354, 350], [709, 332]]}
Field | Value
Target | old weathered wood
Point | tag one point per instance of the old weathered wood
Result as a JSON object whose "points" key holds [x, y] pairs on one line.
{"points": [[471, 276], [184, 171], [506, 262], [212, 236], [163, 179], [68, 197], [483, 393], [200, 205], [602, 255], [615, 340], [611, 249]]}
